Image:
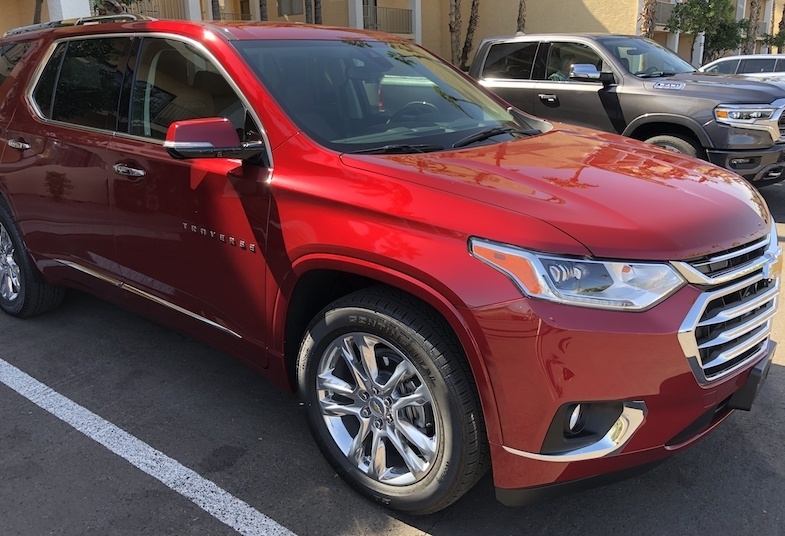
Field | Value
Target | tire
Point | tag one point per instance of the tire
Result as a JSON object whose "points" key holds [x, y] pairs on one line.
{"points": [[677, 144], [22, 291], [404, 428]]}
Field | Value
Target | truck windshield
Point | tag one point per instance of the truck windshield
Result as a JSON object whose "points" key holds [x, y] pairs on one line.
{"points": [[376, 97], [645, 58]]}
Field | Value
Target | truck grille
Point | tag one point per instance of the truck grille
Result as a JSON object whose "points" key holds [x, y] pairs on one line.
{"points": [[730, 323]]}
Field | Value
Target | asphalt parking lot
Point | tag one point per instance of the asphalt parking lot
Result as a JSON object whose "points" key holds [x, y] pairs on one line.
{"points": [[117, 426]]}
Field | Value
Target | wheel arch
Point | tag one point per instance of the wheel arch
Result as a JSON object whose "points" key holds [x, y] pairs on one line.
{"points": [[646, 126], [320, 281]]}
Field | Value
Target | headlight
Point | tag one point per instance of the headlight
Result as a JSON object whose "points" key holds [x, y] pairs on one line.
{"points": [[742, 114], [574, 281]]}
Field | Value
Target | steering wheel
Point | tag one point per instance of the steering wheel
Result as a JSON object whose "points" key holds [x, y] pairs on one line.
{"points": [[414, 108], [648, 70]]}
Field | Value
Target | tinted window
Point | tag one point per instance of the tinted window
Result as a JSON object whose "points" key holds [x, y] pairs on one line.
{"points": [[510, 60], [44, 92], [355, 95], [174, 82], [780, 65], [724, 67], [88, 85], [562, 56], [757, 65], [9, 57]]}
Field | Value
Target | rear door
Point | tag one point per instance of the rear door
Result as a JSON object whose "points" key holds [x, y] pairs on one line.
{"points": [[55, 159], [190, 234]]}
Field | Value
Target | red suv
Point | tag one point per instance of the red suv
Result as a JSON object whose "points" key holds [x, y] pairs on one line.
{"points": [[449, 284]]}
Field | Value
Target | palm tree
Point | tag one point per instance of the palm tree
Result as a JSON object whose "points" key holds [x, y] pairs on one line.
{"points": [[474, 17], [521, 15], [752, 32], [216, 8], [317, 11], [648, 18], [263, 9]]}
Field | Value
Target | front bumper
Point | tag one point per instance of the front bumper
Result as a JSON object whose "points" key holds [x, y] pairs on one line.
{"points": [[761, 167], [543, 356], [607, 470]]}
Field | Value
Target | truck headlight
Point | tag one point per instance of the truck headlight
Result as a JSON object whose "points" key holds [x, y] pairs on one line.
{"points": [[742, 114], [576, 281]]}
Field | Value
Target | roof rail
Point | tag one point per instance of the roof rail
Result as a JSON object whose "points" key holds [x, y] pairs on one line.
{"points": [[120, 17]]}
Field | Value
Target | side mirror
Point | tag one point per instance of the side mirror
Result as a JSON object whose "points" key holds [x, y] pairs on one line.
{"points": [[210, 137], [589, 73]]}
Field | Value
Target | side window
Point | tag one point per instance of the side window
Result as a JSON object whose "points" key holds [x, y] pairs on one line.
{"points": [[562, 56], [9, 57], [81, 82], [780, 65], [757, 65], [174, 82], [724, 67], [510, 60]]}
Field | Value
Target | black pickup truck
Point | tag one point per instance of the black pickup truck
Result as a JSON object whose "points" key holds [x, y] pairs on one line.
{"points": [[635, 87]]}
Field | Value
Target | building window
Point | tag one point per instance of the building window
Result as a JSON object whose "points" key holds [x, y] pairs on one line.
{"points": [[290, 7]]}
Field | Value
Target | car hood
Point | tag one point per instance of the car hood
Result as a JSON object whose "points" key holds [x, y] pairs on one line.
{"points": [[618, 197], [721, 87]]}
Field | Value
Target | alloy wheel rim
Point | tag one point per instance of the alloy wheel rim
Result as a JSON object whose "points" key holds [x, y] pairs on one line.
{"points": [[10, 283], [377, 408]]}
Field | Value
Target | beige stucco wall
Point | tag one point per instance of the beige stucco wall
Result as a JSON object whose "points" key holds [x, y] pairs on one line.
{"points": [[15, 13]]}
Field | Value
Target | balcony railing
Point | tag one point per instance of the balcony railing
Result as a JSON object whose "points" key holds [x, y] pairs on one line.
{"points": [[225, 15], [387, 19], [159, 9]]}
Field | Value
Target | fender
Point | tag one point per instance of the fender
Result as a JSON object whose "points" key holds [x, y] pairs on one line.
{"points": [[680, 120], [417, 288]]}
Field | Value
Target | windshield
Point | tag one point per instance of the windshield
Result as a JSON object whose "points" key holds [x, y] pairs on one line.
{"points": [[645, 58], [370, 96]]}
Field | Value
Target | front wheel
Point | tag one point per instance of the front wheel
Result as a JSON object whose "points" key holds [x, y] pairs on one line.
{"points": [[677, 144], [390, 401]]}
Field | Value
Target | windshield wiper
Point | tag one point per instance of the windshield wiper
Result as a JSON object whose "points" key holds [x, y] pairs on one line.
{"points": [[657, 74], [490, 133], [401, 148]]}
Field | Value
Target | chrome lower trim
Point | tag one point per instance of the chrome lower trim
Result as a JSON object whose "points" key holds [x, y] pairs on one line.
{"points": [[148, 296], [621, 432]]}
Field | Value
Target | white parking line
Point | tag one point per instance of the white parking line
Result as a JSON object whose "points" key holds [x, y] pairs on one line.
{"points": [[217, 502]]}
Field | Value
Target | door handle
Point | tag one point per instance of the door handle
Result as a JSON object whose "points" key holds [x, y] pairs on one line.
{"points": [[128, 171], [548, 97], [19, 144]]}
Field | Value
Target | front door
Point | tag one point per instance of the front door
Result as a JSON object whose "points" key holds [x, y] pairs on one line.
{"points": [[190, 234]]}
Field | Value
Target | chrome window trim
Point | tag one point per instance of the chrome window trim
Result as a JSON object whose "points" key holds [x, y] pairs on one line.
{"points": [[160, 301], [46, 56]]}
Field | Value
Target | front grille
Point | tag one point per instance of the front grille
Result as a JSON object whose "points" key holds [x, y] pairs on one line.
{"points": [[728, 260], [730, 323]]}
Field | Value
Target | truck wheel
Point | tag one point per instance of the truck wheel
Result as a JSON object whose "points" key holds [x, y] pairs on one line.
{"points": [[22, 292], [677, 144], [390, 401]]}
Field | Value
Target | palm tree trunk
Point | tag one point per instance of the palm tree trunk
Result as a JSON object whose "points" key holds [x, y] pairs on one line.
{"points": [[308, 11], [752, 32], [468, 44], [37, 12], [216, 8], [455, 31], [263, 9], [317, 11], [647, 18], [521, 16]]}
